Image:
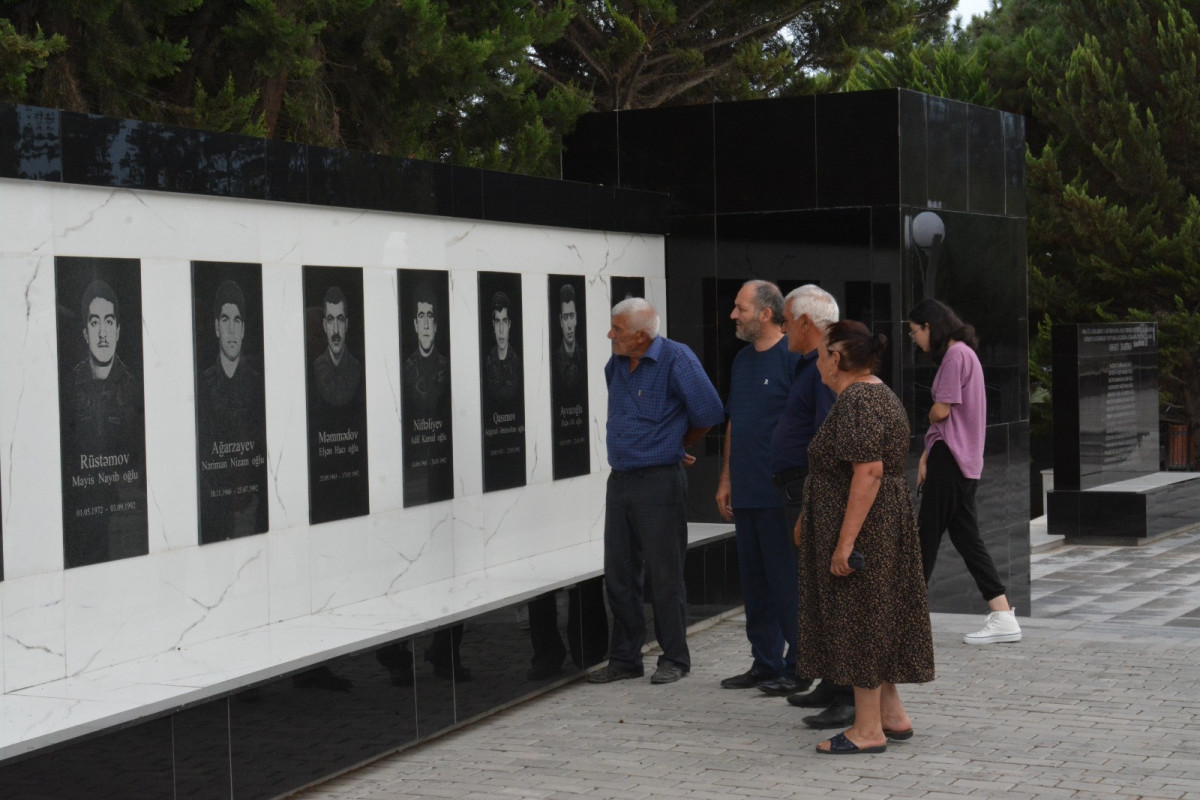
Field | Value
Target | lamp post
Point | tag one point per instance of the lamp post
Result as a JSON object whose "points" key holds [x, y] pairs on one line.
{"points": [[927, 232]]}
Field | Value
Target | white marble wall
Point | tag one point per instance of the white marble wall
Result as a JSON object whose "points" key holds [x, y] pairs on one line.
{"points": [[57, 623]]}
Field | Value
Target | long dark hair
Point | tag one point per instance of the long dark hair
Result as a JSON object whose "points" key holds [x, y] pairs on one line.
{"points": [[944, 325]]}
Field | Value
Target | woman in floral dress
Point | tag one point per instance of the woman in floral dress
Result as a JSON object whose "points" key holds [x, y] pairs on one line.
{"points": [[867, 626]]}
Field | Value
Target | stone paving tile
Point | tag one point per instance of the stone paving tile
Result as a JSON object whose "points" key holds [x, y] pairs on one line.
{"points": [[1100, 700]]}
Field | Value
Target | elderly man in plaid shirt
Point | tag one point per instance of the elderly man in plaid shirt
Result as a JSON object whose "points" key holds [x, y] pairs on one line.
{"points": [[660, 402]]}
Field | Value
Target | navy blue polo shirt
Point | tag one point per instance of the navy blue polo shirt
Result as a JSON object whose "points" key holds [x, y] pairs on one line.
{"points": [[807, 406], [759, 385]]}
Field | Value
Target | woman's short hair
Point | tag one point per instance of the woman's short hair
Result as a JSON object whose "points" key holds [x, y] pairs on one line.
{"points": [[860, 348], [944, 325]]}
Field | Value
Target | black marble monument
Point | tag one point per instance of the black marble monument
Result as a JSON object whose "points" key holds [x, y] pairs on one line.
{"points": [[829, 189]]}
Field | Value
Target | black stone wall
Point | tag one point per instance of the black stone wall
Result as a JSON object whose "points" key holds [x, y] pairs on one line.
{"points": [[824, 190]]}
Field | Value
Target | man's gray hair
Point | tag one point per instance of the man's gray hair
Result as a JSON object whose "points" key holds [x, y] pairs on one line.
{"points": [[814, 301], [767, 295], [642, 316]]}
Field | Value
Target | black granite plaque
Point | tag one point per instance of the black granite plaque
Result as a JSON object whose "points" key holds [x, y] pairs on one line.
{"points": [[624, 288], [231, 413], [337, 396], [502, 378], [426, 414], [101, 409], [1105, 403], [571, 455]]}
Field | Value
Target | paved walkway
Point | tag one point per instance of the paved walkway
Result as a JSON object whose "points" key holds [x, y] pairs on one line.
{"points": [[1100, 700]]}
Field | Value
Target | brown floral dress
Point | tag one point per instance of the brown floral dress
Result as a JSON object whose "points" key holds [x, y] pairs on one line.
{"points": [[871, 626]]}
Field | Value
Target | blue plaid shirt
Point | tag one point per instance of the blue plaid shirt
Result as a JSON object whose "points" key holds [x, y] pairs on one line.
{"points": [[651, 408]]}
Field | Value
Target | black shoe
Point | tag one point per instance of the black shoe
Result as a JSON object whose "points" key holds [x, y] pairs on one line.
{"points": [[668, 672], [782, 686], [825, 695], [747, 680], [838, 716], [609, 673]]}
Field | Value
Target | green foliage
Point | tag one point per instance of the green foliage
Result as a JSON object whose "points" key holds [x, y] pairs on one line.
{"points": [[1114, 218], [945, 69], [649, 53], [228, 111], [21, 56], [493, 83]]}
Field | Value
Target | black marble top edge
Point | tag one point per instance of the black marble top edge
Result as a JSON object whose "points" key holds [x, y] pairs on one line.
{"points": [[45, 144]]}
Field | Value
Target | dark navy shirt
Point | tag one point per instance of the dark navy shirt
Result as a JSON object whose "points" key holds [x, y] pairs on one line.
{"points": [[651, 408], [807, 406], [759, 386]]}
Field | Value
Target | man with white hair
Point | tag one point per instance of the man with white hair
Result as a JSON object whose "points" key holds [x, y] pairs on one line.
{"points": [[808, 311], [660, 402]]}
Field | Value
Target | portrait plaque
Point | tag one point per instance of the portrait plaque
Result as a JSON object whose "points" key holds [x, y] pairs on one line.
{"points": [[231, 412], [101, 409], [571, 455], [624, 288], [337, 396], [426, 416], [502, 379]]}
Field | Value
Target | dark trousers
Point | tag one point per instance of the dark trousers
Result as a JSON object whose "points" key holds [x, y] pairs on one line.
{"points": [[645, 530], [948, 503], [587, 626], [767, 565]]}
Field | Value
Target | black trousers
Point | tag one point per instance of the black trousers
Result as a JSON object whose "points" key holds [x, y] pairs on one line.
{"points": [[948, 504]]}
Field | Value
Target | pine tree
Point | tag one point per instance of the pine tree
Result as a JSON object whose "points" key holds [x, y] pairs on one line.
{"points": [[648, 53], [1114, 220]]}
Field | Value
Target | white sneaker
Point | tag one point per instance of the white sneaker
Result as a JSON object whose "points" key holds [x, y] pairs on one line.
{"points": [[998, 626]]}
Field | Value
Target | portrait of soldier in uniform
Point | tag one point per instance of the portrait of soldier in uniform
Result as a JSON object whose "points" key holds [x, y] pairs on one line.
{"points": [[571, 455], [503, 365], [336, 371], [338, 481], [231, 426], [101, 410], [502, 378], [570, 361], [426, 370], [106, 407]]}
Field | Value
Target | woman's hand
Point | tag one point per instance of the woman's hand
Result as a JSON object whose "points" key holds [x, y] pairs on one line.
{"points": [[921, 469], [796, 530], [839, 564]]}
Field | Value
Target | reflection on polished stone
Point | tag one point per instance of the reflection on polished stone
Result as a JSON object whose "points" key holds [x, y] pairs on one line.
{"points": [[291, 731]]}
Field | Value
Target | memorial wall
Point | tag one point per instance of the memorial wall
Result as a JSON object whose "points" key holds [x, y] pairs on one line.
{"points": [[217, 413]]}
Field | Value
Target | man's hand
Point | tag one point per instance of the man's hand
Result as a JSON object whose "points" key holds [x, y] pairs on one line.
{"points": [[688, 459], [724, 498], [921, 469], [796, 531]]}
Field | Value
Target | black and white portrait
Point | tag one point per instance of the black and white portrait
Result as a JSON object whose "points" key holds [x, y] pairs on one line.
{"points": [[101, 409], [568, 376], [231, 430], [426, 412], [502, 378], [624, 288], [337, 400]]}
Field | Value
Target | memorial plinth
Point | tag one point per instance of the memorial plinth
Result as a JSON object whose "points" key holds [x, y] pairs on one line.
{"points": [[1107, 484]]}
